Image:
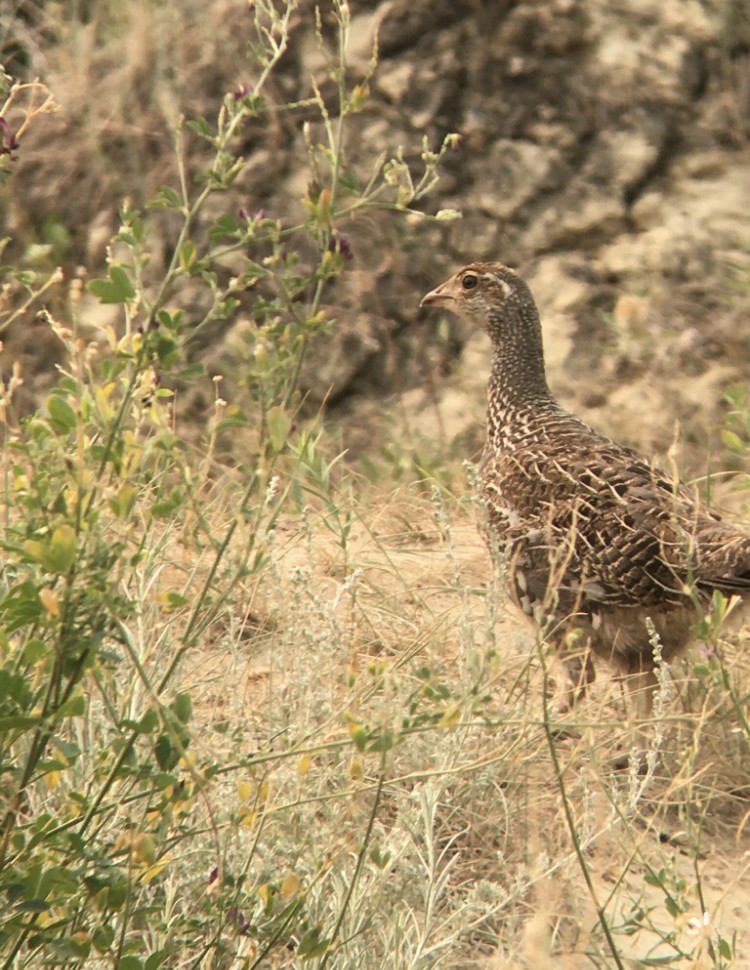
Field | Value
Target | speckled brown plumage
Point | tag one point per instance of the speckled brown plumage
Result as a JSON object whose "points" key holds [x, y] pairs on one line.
{"points": [[596, 539]]}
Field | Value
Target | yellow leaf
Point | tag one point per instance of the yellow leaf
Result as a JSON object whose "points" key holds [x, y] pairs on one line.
{"points": [[61, 756], [50, 601], [360, 94], [290, 886], [356, 769], [153, 871], [451, 716], [171, 601], [61, 551], [144, 848], [112, 338], [125, 501], [184, 806], [34, 549], [244, 790], [303, 765]]}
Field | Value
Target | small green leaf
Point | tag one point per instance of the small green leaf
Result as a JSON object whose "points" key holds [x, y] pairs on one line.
{"points": [[172, 601], [198, 369], [226, 227], [34, 906], [188, 255], [123, 504], [104, 937], [732, 441], [169, 197], [34, 650], [385, 742], [69, 749], [279, 426], [447, 215], [672, 908], [166, 350], [74, 706], [359, 736], [311, 945], [22, 605], [129, 962], [725, 949], [166, 755], [117, 289], [169, 320], [148, 722], [138, 229], [182, 706], [157, 958], [380, 859], [62, 416], [201, 127], [22, 721], [60, 553]]}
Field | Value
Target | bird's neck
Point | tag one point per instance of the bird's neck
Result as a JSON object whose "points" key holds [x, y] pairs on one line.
{"points": [[517, 394]]}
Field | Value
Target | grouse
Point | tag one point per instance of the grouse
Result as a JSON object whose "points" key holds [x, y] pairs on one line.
{"points": [[603, 552]]}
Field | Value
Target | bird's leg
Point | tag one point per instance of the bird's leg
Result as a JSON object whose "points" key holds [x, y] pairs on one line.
{"points": [[579, 671], [575, 669], [640, 686], [572, 673]]}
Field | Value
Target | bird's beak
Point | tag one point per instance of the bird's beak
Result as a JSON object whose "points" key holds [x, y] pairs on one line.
{"points": [[440, 296]]}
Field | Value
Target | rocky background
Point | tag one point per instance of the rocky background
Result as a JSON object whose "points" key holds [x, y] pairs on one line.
{"points": [[603, 152]]}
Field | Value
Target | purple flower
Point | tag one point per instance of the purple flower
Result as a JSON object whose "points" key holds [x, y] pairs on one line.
{"points": [[238, 918], [340, 244], [242, 91], [213, 875], [245, 216]]}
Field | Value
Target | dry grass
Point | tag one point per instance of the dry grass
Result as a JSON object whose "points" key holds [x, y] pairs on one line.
{"points": [[482, 864]]}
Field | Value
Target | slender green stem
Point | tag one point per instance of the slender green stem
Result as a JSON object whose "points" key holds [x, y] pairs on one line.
{"points": [[55, 277], [570, 820], [358, 868]]}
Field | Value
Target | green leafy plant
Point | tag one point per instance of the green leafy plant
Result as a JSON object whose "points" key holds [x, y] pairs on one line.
{"points": [[103, 501]]}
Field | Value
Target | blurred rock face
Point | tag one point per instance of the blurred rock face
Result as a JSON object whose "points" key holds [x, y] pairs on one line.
{"points": [[603, 153]]}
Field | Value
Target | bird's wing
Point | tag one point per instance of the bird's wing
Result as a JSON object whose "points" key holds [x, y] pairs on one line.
{"points": [[622, 531]]}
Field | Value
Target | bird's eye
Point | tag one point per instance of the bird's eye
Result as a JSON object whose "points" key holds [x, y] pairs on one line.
{"points": [[469, 282]]}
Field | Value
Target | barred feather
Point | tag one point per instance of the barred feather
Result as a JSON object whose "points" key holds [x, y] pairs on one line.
{"points": [[596, 539]]}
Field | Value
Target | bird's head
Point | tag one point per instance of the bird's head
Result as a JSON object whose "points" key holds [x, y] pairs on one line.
{"points": [[482, 293]]}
